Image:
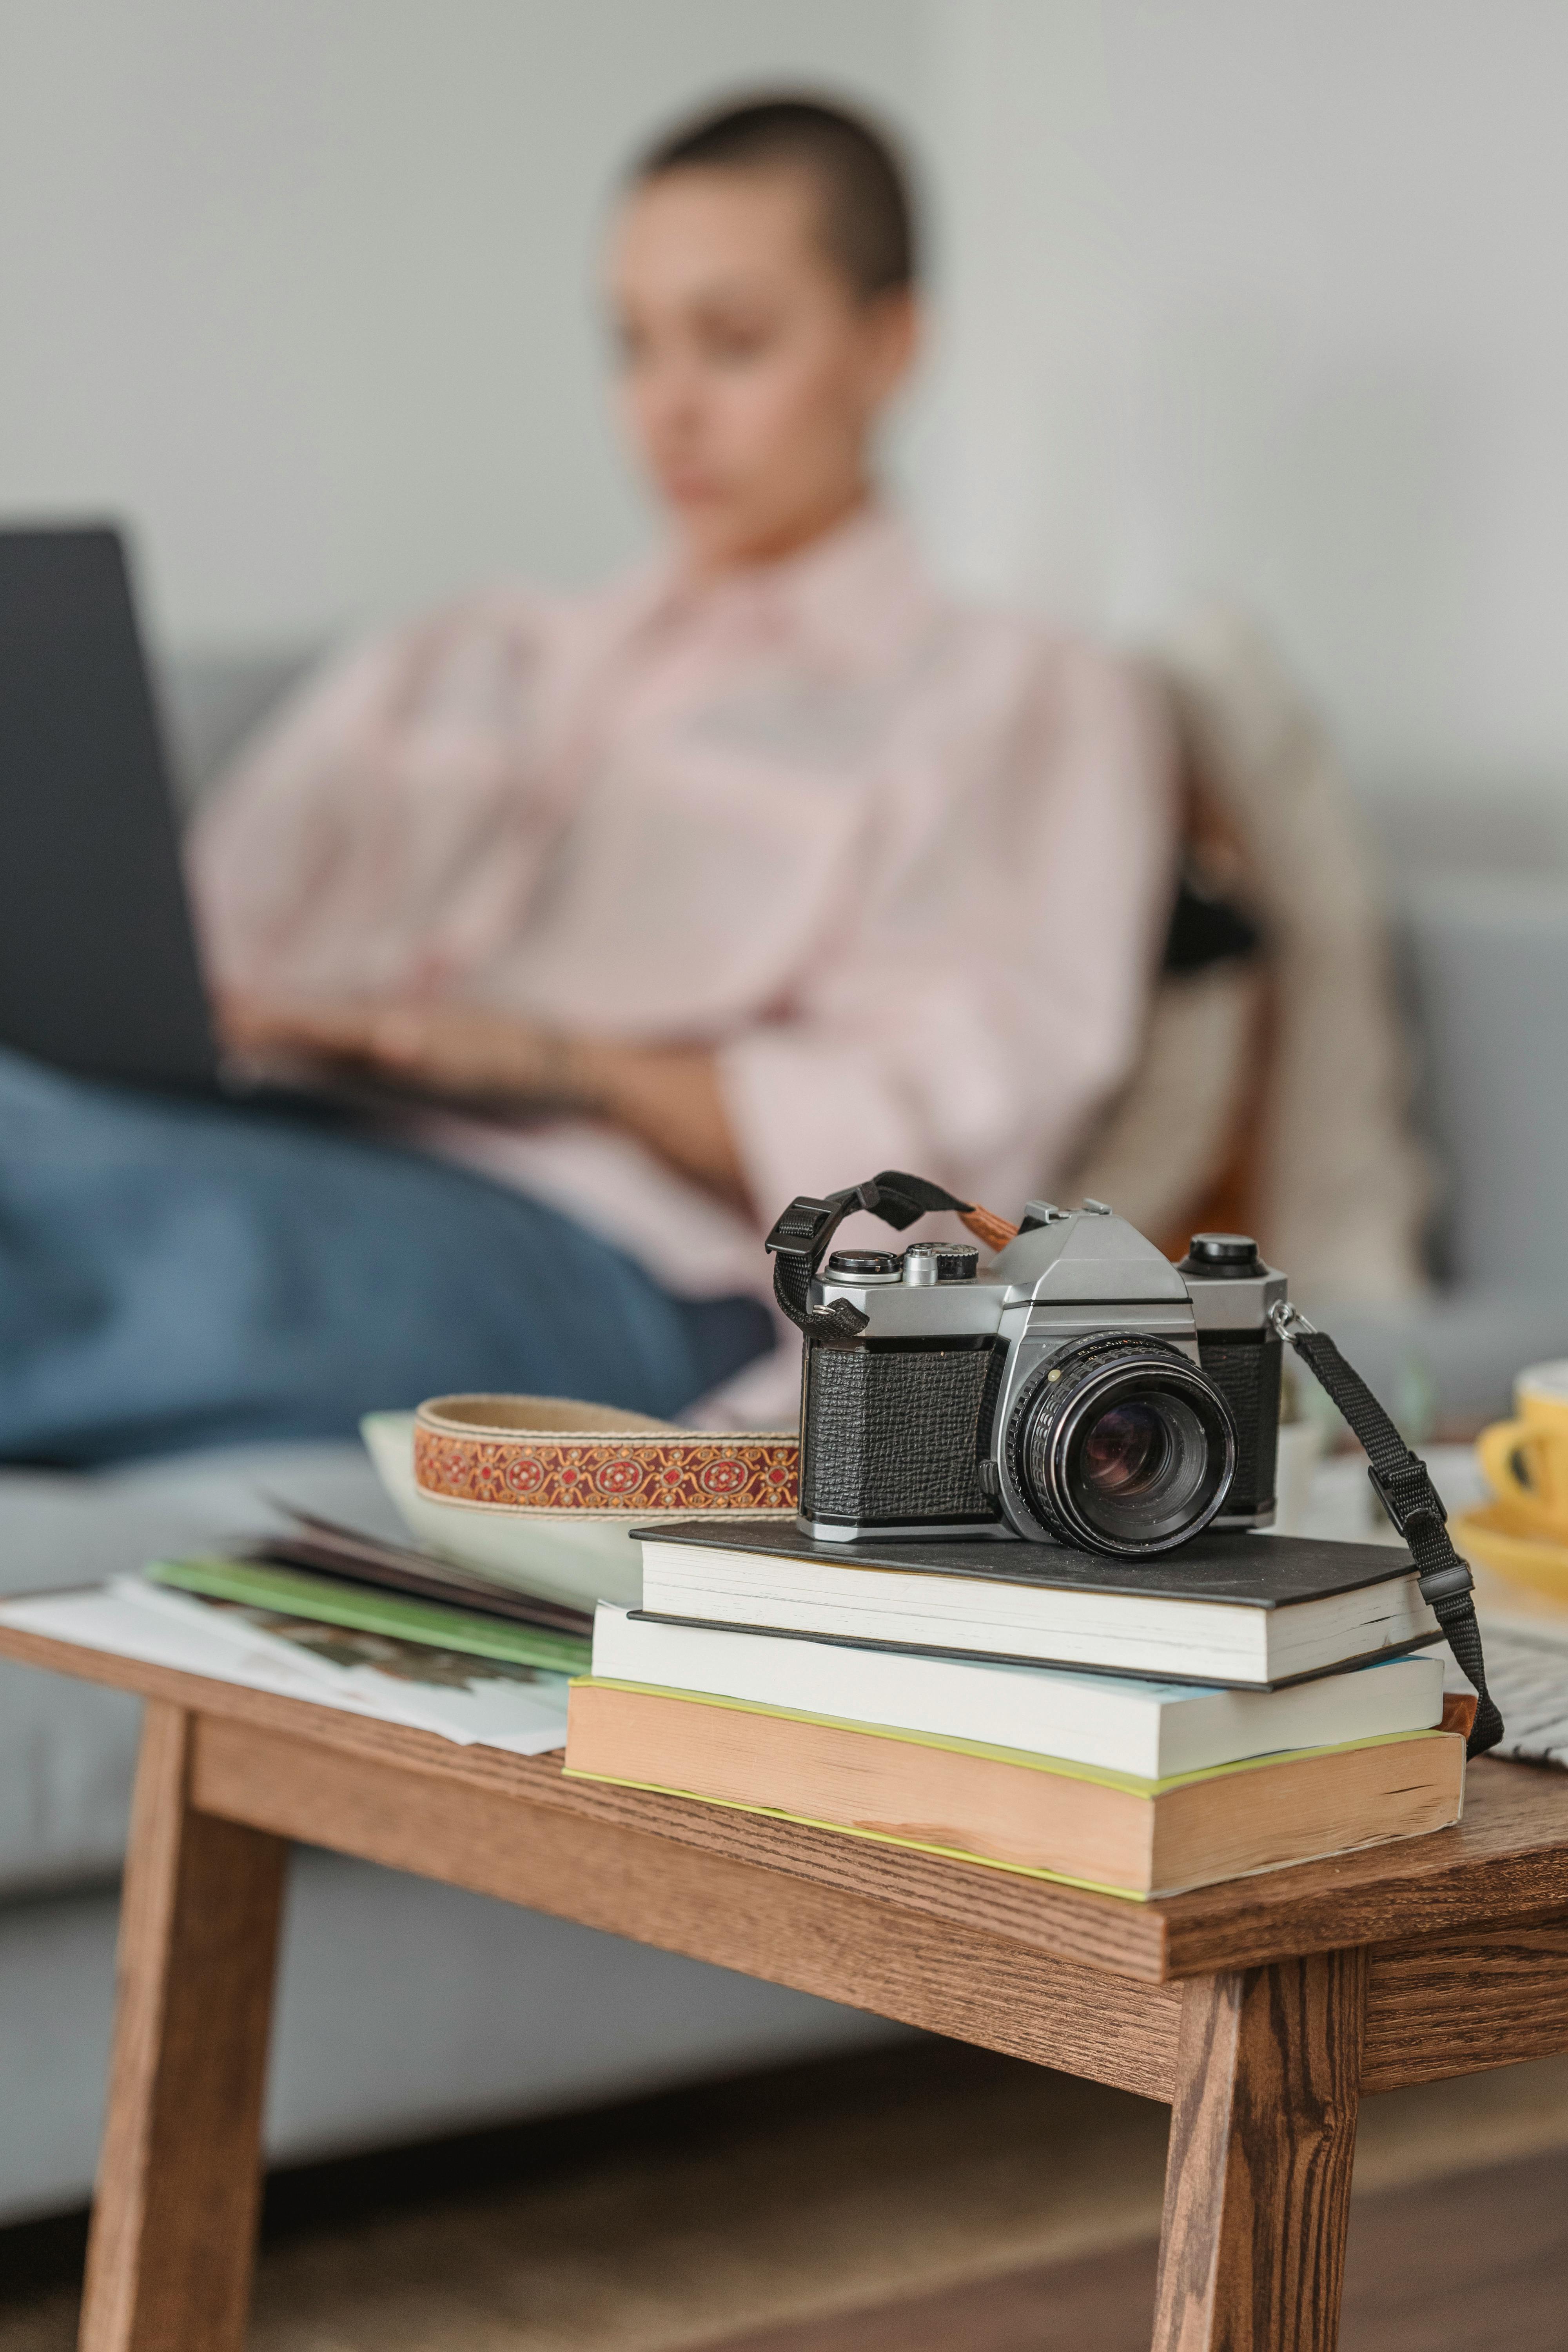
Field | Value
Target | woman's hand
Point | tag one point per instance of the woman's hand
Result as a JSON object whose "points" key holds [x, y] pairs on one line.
{"points": [[668, 1097], [453, 1052]]}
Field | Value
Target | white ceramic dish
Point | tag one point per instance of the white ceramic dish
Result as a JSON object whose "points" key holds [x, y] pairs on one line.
{"points": [[560, 1556]]}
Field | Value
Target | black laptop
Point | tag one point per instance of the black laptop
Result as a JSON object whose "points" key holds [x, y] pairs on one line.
{"points": [[99, 972], [98, 968]]}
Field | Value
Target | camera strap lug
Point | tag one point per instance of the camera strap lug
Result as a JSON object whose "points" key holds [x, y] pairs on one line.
{"points": [[1403, 1484]]}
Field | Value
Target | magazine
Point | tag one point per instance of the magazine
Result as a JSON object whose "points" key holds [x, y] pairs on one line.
{"points": [[475, 1701]]}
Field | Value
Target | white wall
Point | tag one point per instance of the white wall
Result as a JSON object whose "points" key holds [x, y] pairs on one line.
{"points": [[304, 286], [1261, 296], [1272, 300]]}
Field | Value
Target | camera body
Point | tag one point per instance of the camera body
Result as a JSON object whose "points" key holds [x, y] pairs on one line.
{"points": [[1081, 1390]]}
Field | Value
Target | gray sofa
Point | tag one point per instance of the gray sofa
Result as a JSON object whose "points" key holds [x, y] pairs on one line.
{"points": [[404, 2010], [407, 2010], [1485, 963]]}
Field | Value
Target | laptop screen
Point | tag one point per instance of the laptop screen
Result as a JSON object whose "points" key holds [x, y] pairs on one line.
{"points": [[99, 970]]}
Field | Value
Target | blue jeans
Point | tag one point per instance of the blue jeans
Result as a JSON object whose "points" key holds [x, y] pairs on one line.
{"points": [[183, 1273]]}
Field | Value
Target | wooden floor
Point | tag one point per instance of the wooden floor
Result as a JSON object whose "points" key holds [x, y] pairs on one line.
{"points": [[445, 2248], [1477, 2263]]}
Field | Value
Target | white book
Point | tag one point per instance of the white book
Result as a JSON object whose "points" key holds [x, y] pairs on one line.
{"points": [[1117, 1723], [1251, 1610]]}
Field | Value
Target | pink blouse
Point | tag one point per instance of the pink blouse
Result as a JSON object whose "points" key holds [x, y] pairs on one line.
{"points": [[902, 864]]}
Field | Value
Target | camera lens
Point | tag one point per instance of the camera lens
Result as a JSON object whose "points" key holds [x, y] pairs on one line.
{"points": [[1143, 1464], [1122, 1445], [1126, 1452]]}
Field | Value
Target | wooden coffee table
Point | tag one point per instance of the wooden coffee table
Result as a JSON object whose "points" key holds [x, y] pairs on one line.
{"points": [[1261, 2009]]}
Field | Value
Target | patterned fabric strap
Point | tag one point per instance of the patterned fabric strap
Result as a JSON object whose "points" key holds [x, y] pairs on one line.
{"points": [[606, 1474]]}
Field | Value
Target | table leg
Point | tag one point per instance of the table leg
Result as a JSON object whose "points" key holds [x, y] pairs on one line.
{"points": [[1262, 2135], [174, 2226]]}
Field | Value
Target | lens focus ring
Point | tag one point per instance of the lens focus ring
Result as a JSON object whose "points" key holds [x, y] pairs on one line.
{"points": [[1121, 1445]]}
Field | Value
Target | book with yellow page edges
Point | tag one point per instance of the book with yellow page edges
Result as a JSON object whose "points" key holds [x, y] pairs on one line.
{"points": [[1012, 1810]]}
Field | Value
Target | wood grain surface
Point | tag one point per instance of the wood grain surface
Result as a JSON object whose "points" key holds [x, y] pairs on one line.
{"points": [[1258, 2183], [1507, 1859], [824, 1940], [1458, 2004], [170, 2256], [1396, 1964]]}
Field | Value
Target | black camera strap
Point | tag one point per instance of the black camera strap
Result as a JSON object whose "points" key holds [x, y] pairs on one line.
{"points": [[799, 1243], [1400, 1478], [1403, 1484]]}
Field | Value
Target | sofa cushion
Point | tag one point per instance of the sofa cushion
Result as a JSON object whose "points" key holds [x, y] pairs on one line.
{"points": [[66, 1748], [1486, 957], [406, 2010], [1447, 1362]]}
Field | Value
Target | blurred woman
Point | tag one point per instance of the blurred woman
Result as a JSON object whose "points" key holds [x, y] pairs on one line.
{"points": [[751, 873]]}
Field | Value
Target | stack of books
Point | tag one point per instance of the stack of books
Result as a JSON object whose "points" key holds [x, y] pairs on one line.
{"points": [[1138, 1728]]}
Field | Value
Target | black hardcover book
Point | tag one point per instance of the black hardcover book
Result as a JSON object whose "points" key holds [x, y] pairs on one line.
{"points": [[1254, 1611]]}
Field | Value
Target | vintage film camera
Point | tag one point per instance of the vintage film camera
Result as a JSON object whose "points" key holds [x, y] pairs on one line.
{"points": [[1078, 1390]]}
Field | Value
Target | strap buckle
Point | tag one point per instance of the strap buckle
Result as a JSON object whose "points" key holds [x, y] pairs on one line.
{"points": [[1413, 1500], [1418, 1514], [805, 1226], [1449, 1580]]}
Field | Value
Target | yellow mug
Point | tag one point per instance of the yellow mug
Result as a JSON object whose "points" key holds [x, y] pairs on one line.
{"points": [[1525, 1461]]}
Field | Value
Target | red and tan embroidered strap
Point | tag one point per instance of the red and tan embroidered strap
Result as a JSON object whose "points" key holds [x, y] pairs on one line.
{"points": [[551, 1454]]}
